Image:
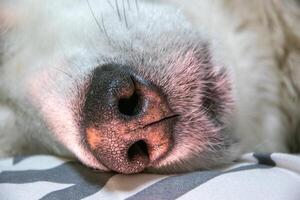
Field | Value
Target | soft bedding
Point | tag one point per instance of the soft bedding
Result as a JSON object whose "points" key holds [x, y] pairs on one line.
{"points": [[255, 176]]}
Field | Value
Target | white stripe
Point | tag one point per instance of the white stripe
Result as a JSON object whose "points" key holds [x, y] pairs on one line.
{"points": [[287, 161], [30, 191], [248, 158], [122, 186], [258, 184], [39, 162]]}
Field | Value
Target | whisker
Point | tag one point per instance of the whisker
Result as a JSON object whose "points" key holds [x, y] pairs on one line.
{"points": [[110, 4], [124, 13], [94, 16], [104, 29], [128, 4], [137, 5], [118, 10], [102, 25], [64, 72]]}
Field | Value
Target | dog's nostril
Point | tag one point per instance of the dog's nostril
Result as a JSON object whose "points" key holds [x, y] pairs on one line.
{"points": [[138, 150], [130, 106]]}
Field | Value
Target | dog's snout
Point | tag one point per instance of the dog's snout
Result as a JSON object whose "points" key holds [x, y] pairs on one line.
{"points": [[127, 120]]}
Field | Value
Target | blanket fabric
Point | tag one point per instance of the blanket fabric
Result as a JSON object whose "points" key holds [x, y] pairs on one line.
{"points": [[255, 176]]}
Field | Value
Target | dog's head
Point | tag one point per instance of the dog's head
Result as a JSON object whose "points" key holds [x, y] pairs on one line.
{"points": [[126, 85]]}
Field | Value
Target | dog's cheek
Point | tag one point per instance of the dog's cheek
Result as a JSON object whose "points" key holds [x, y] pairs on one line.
{"points": [[53, 96]]}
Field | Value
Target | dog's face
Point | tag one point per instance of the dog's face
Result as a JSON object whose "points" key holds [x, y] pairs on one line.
{"points": [[126, 86]]}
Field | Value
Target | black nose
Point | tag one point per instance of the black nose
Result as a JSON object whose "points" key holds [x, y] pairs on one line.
{"points": [[127, 120]]}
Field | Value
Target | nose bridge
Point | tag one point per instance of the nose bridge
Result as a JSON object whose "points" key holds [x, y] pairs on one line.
{"points": [[124, 119]]}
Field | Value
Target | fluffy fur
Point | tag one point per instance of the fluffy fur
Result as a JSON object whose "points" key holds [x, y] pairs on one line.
{"points": [[230, 69]]}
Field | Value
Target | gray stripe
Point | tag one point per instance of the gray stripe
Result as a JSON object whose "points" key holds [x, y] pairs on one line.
{"points": [[86, 181], [264, 159], [176, 186], [75, 192]]}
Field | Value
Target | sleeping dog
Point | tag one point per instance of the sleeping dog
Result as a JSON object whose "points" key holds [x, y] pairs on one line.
{"points": [[163, 86]]}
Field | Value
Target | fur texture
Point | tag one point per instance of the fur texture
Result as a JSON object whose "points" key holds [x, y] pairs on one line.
{"points": [[230, 70]]}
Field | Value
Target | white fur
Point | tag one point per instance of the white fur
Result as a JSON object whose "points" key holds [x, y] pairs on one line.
{"points": [[261, 41], [258, 40]]}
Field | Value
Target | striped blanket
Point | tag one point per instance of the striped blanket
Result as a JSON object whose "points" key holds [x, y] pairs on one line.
{"points": [[255, 176]]}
